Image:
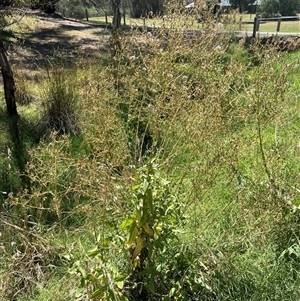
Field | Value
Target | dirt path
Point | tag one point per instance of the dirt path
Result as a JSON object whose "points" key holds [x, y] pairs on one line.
{"points": [[42, 38]]}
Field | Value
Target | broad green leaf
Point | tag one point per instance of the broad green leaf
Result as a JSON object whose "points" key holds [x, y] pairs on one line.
{"points": [[132, 233], [120, 284], [120, 278], [172, 291], [148, 230], [138, 248], [159, 267], [126, 223]]}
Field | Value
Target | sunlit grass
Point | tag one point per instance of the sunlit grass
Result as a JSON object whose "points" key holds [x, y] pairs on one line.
{"points": [[285, 26], [191, 22]]}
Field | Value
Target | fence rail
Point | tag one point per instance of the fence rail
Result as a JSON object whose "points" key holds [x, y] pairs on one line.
{"points": [[258, 19]]}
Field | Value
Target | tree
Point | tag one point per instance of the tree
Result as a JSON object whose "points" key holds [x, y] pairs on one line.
{"points": [[242, 5], [289, 7], [115, 5], [7, 74], [49, 6], [140, 8], [270, 7], [284, 7], [8, 82]]}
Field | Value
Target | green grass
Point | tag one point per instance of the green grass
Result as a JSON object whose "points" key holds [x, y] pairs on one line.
{"points": [[191, 22], [286, 26]]}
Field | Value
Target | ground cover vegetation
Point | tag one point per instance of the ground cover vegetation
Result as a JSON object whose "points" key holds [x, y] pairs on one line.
{"points": [[165, 168]]}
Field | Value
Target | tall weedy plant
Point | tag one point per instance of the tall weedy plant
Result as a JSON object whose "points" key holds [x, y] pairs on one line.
{"points": [[155, 216]]}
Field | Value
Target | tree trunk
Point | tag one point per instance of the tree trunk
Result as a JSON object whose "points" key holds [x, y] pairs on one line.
{"points": [[117, 14], [8, 82]]}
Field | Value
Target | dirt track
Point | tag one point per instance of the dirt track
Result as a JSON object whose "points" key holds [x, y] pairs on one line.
{"points": [[44, 37]]}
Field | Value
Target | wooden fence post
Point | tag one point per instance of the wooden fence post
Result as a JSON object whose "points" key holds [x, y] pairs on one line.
{"points": [[255, 26], [278, 24], [106, 18], [87, 15], [124, 19]]}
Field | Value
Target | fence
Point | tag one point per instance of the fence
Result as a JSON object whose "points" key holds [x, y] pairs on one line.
{"points": [[258, 19], [81, 13]]}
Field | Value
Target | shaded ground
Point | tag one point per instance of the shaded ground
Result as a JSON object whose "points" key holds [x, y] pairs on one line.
{"points": [[43, 37]]}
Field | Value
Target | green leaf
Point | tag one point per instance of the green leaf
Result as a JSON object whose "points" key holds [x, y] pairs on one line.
{"points": [[165, 182], [94, 252], [126, 223], [138, 248], [79, 292], [135, 187], [66, 256], [150, 200], [99, 292], [145, 186], [151, 285], [106, 241], [139, 217], [120, 284], [172, 291], [122, 297], [296, 202], [120, 277], [132, 233], [80, 269], [148, 230]]}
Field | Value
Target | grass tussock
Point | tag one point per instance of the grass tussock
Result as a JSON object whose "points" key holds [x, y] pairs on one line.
{"points": [[173, 177], [60, 102]]}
